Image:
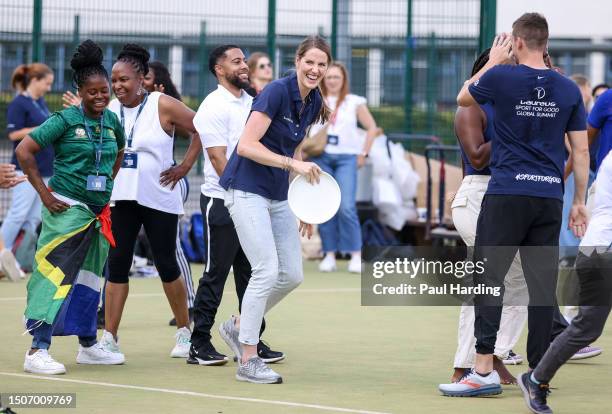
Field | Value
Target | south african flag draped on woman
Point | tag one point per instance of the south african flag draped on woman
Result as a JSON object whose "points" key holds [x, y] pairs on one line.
{"points": [[64, 289]]}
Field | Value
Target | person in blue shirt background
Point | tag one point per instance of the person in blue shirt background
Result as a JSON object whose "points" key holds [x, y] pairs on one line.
{"points": [[25, 112], [534, 108], [600, 125], [256, 180]]}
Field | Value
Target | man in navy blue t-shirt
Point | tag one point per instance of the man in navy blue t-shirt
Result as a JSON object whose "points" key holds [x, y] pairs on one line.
{"points": [[534, 107]]}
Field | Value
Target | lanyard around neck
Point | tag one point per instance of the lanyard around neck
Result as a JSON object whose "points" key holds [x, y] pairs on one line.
{"points": [[44, 111], [98, 146], [140, 108]]}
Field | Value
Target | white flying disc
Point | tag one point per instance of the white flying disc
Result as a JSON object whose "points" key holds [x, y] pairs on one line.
{"points": [[314, 203]]}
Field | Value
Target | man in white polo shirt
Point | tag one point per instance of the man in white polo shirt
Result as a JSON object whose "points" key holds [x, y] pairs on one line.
{"points": [[219, 121]]}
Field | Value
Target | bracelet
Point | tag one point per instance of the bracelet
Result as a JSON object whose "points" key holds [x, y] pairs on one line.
{"points": [[287, 164]]}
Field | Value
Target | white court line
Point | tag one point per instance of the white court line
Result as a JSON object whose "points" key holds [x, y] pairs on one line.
{"points": [[159, 295], [196, 394]]}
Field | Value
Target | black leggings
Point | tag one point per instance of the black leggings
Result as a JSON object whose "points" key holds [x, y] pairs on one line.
{"points": [[160, 227]]}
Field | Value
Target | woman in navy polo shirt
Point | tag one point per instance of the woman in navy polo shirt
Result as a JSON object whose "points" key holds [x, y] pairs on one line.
{"points": [[25, 112], [257, 180]]}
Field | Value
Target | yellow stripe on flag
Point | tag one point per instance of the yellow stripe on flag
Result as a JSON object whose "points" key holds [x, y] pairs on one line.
{"points": [[62, 291], [47, 269]]}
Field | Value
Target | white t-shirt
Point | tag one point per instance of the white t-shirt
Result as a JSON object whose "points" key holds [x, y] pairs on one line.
{"points": [[220, 121], [599, 231], [343, 126], [155, 154]]}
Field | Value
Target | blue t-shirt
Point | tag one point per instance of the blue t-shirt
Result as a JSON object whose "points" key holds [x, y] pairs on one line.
{"points": [[601, 118], [487, 133], [533, 110], [281, 101], [25, 112]]}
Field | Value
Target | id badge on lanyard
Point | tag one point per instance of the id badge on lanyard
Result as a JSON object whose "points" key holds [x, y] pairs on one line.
{"points": [[130, 159], [95, 182], [332, 139], [130, 156]]}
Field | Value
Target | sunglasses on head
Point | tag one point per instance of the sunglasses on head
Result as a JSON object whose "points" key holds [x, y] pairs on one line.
{"points": [[263, 65]]}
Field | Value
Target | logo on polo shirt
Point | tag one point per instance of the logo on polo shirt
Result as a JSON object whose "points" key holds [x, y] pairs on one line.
{"points": [[540, 91], [288, 119], [79, 132], [110, 133]]}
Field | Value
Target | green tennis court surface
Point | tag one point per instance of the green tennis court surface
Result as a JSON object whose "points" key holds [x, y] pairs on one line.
{"points": [[341, 357]]}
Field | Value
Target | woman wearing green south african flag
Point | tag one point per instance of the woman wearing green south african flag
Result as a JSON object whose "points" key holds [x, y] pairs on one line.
{"points": [[63, 291]]}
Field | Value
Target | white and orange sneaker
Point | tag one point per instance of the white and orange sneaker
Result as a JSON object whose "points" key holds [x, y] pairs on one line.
{"points": [[473, 385]]}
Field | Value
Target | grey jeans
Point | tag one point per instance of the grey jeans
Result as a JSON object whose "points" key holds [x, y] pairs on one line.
{"points": [[587, 326], [268, 234]]}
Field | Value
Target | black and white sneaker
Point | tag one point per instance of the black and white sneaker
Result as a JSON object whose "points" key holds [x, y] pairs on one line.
{"points": [[267, 355], [206, 355]]}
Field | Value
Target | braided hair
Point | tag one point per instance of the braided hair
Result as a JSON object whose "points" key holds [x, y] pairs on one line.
{"points": [[135, 55], [481, 61], [162, 77], [87, 62]]}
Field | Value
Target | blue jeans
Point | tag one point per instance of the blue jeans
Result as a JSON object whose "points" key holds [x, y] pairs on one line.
{"points": [[343, 232], [42, 335], [268, 234], [568, 243], [24, 212]]}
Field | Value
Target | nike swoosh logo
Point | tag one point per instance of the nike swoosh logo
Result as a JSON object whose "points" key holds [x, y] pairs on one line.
{"points": [[540, 77]]}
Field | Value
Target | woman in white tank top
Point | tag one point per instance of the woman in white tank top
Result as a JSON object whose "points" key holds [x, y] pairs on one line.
{"points": [[145, 193], [345, 152]]}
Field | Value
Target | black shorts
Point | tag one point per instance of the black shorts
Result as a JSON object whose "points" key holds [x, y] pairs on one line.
{"points": [[128, 217]]}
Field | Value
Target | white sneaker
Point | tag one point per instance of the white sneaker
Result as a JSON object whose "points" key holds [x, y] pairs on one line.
{"points": [[9, 265], [108, 343], [328, 264], [473, 385], [354, 265], [98, 355], [40, 362], [183, 342]]}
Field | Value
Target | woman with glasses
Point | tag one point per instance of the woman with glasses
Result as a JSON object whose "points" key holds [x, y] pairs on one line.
{"points": [[260, 72]]}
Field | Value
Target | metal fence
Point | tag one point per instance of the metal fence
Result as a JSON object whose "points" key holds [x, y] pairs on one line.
{"points": [[408, 57]]}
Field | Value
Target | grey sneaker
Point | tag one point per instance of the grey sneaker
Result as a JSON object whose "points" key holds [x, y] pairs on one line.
{"points": [[229, 333], [256, 371]]}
